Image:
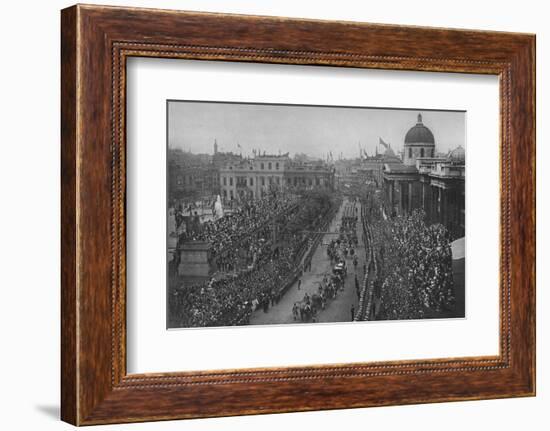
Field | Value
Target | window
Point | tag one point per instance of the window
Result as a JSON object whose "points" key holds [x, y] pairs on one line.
{"points": [[410, 153], [224, 181], [261, 166], [278, 180], [251, 181], [230, 181], [277, 165], [263, 181], [269, 165], [421, 152], [432, 152]]}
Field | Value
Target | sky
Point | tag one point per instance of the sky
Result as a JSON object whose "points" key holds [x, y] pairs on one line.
{"points": [[314, 130]]}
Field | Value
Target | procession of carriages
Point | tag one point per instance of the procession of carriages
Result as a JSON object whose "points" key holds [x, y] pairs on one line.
{"points": [[339, 250], [307, 309]]}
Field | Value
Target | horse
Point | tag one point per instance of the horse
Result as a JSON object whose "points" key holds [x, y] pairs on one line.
{"points": [[304, 309]]}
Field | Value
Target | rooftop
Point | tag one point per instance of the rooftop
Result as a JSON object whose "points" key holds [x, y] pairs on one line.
{"points": [[399, 168]]}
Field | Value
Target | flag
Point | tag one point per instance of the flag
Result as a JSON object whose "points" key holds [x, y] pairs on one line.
{"points": [[381, 141]]}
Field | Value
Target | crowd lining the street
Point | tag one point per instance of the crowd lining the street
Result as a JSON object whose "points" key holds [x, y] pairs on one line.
{"points": [[235, 291], [415, 277]]}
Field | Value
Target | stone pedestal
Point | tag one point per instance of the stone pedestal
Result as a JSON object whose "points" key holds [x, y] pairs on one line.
{"points": [[195, 259]]}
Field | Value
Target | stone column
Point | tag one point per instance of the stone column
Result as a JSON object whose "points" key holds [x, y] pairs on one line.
{"points": [[439, 199], [433, 206], [410, 207], [403, 203], [426, 202], [444, 209], [424, 197]]}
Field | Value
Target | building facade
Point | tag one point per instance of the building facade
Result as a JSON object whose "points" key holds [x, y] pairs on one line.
{"points": [[434, 184], [252, 178], [191, 176], [374, 165]]}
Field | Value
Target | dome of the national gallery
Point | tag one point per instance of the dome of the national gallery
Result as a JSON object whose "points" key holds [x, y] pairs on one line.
{"points": [[419, 134], [458, 155]]}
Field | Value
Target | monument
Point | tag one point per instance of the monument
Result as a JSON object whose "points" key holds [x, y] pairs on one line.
{"points": [[195, 257], [218, 209]]}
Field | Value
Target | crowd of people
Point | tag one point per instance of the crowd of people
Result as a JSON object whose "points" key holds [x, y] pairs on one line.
{"points": [[237, 225], [238, 238], [415, 267], [230, 297], [231, 300]]}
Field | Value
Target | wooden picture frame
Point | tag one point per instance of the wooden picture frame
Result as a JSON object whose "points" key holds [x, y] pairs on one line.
{"points": [[95, 43]]}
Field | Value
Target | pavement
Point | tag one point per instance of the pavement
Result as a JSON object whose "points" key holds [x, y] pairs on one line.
{"points": [[337, 309]]}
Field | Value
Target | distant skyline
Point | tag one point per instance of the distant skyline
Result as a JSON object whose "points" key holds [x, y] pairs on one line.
{"points": [[314, 130]]}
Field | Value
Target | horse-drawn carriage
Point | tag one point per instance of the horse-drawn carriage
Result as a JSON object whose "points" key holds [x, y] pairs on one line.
{"points": [[306, 310], [340, 268]]}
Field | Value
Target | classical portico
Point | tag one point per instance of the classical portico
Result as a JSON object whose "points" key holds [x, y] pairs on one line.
{"points": [[402, 187]]}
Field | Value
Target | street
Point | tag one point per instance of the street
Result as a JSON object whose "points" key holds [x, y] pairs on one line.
{"points": [[337, 309]]}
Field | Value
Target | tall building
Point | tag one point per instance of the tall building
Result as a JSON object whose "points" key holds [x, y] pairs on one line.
{"points": [[435, 184]]}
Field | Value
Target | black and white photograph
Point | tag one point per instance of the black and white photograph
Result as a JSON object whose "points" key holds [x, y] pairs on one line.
{"points": [[305, 214], [278, 215]]}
